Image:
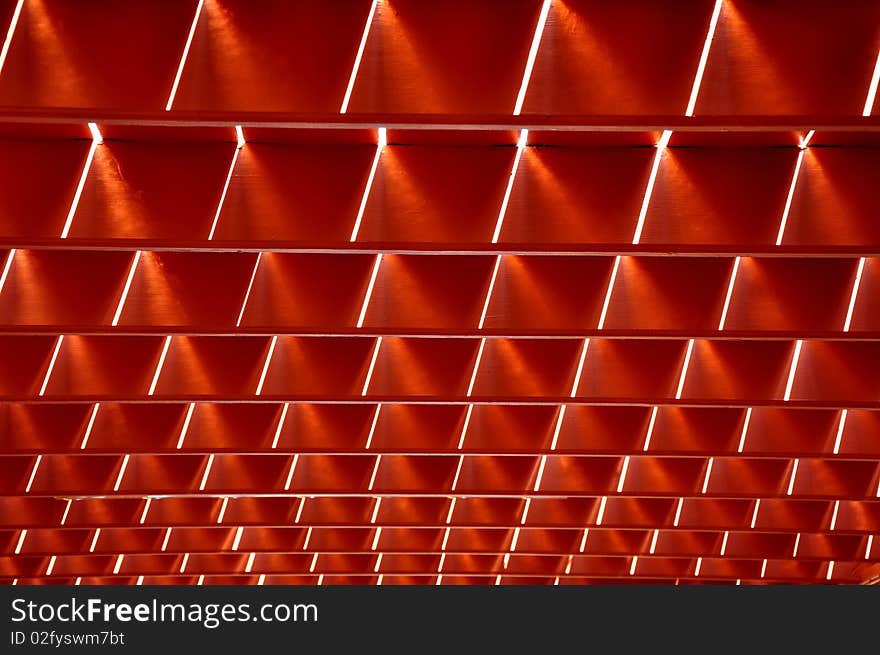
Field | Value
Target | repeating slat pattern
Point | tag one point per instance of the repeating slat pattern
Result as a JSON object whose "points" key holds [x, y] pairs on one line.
{"points": [[246, 337]]}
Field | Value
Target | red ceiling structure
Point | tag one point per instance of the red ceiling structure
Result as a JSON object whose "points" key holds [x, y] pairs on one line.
{"points": [[423, 292]]}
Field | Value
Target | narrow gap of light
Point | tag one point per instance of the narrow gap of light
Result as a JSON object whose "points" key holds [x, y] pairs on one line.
{"points": [[6, 267], [513, 543], [57, 348], [189, 38], [698, 567], [378, 563], [121, 472], [498, 580], [299, 511], [560, 417], [222, 510], [724, 542], [312, 567], [650, 430], [372, 366], [185, 427], [872, 89], [649, 189], [357, 59], [586, 534], [791, 372], [382, 139], [704, 57], [266, 364], [473, 379], [684, 369], [489, 292], [375, 543], [207, 472], [97, 137], [654, 541], [183, 562], [797, 543], [239, 137], [118, 564], [623, 471], [502, 212], [293, 464], [601, 514], [66, 511], [261, 580], [278, 429], [854, 294], [868, 546], [632, 567], [308, 538], [375, 471], [540, 472], [89, 426], [30, 482], [366, 303], [533, 53], [381, 576], [677, 517], [247, 294], [51, 565], [807, 138], [556, 581], [580, 368], [12, 25], [140, 581], [443, 547], [525, 514], [79, 189], [225, 190], [568, 565], [833, 523], [708, 474], [794, 468], [166, 539], [201, 580], [147, 503], [376, 509], [159, 365], [464, 427], [755, 513], [320, 577], [94, 540], [788, 199], [20, 543], [742, 436], [830, 570], [237, 540], [373, 426], [763, 568], [607, 302], [451, 510], [729, 293]]}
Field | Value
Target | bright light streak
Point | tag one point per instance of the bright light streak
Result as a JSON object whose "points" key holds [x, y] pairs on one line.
{"points": [[789, 198], [854, 294], [704, 57], [159, 365], [126, 288], [284, 409], [382, 140], [649, 189], [225, 189], [684, 369], [89, 425], [12, 25], [610, 289], [222, 510], [149, 501], [207, 472], [6, 267], [185, 427], [30, 482], [372, 366], [708, 474], [82, 181], [189, 38], [729, 293], [533, 53], [489, 292], [247, 294], [55, 351], [357, 60], [266, 365], [373, 275], [20, 543], [650, 430], [872, 89], [121, 472], [239, 137], [373, 426], [742, 436], [791, 373], [502, 212], [794, 469]]}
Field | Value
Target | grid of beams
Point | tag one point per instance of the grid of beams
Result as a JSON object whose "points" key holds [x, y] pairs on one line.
{"points": [[545, 292]]}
